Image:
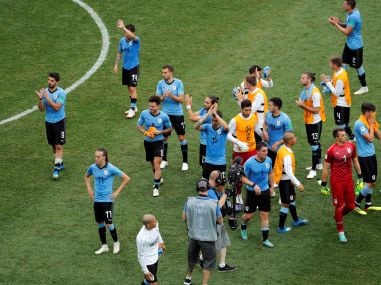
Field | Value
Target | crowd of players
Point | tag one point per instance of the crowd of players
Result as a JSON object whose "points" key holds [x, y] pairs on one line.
{"points": [[262, 138]]}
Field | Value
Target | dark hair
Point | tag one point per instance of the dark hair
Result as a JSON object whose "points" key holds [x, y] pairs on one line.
{"points": [[219, 113], [213, 99], [104, 152], [260, 145], [169, 67], [336, 60], [154, 99], [335, 132], [276, 102], [131, 28], [55, 75], [310, 75], [251, 79], [254, 68], [202, 185], [367, 107], [351, 3], [245, 103]]}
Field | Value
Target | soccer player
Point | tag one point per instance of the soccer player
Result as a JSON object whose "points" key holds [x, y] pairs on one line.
{"points": [[196, 116], [216, 192], [353, 49], [154, 124], [129, 46], [215, 134], [258, 176], [241, 133], [340, 94], [264, 81], [259, 102], [338, 161], [284, 175], [104, 173], [275, 125], [52, 100], [202, 236], [171, 92], [311, 101], [366, 129], [149, 244]]}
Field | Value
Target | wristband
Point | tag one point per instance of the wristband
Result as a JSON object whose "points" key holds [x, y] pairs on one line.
{"points": [[323, 183], [253, 185], [359, 175], [188, 107]]}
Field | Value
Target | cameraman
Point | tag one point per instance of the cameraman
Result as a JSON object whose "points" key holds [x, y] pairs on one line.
{"points": [[258, 176], [217, 192]]}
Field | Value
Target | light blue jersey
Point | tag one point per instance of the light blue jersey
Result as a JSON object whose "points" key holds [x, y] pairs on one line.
{"points": [[364, 148], [215, 144], [171, 107], [258, 172], [160, 121], [208, 120], [103, 181], [277, 126], [354, 39], [213, 194], [51, 115], [130, 50]]}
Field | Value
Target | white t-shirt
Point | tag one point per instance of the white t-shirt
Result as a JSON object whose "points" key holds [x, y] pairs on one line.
{"points": [[147, 243]]}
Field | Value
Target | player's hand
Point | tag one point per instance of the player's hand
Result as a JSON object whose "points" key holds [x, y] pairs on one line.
{"points": [[300, 188], [257, 190], [149, 134], [299, 103], [116, 68], [91, 195], [243, 146], [149, 276], [324, 78], [153, 131], [39, 93], [188, 100], [325, 191], [239, 95], [272, 192], [115, 194], [120, 24]]}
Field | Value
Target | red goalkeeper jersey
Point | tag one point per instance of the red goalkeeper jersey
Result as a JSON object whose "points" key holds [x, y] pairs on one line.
{"points": [[340, 158]]}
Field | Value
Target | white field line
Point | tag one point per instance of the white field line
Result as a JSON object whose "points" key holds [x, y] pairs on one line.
{"points": [[89, 73]]}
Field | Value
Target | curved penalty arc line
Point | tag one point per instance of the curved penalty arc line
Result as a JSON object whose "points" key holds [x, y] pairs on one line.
{"points": [[89, 73]]}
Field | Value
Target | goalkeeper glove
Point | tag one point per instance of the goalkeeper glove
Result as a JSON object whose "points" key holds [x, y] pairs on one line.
{"points": [[324, 190], [359, 184], [243, 146]]}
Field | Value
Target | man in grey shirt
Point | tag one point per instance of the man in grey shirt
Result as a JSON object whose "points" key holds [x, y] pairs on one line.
{"points": [[202, 214]]}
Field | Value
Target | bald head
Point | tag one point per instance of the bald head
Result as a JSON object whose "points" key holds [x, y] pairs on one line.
{"points": [[148, 219], [288, 137]]}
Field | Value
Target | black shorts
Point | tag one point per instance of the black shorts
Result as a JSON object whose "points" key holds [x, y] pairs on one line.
{"points": [[178, 124], [368, 168], [130, 76], [56, 132], [152, 268], [253, 201], [208, 251], [154, 149], [272, 155], [202, 154], [313, 132], [286, 191], [353, 57], [341, 115], [103, 212], [207, 168]]}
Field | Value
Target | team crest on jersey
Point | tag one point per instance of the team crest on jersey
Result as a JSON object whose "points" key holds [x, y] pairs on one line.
{"points": [[247, 208], [105, 171], [278, 123], [55, 96], [174, 87], [349, 150], [159, 120], [267, 165], [219, 131]]}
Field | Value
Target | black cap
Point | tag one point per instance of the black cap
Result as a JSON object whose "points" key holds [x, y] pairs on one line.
{"points": [[202, 185]]}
